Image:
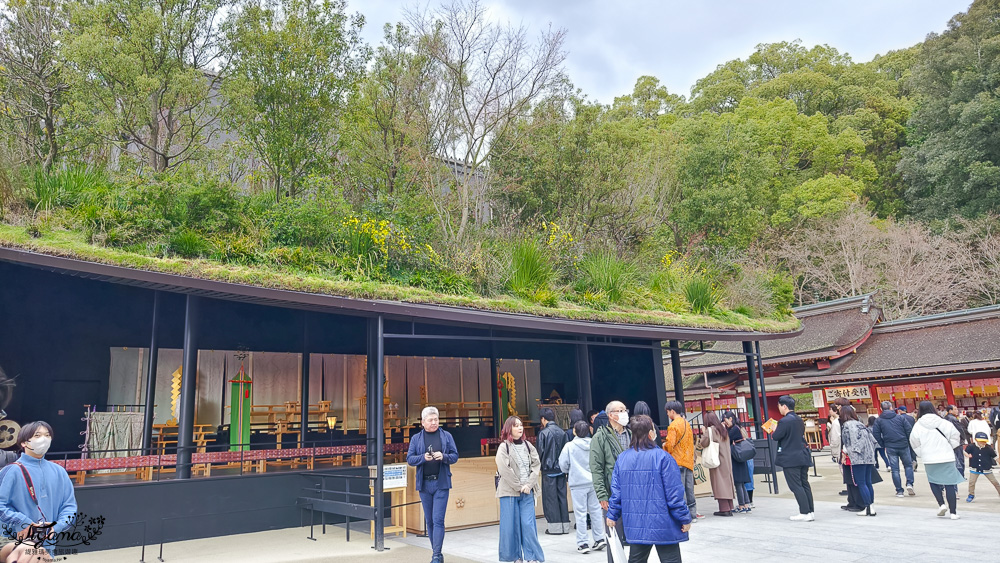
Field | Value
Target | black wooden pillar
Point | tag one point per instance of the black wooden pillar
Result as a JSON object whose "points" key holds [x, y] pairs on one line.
{"points": [[154, 351], [583, 381], [495, 385], [376, 422], [752, 377], [661, 385], [189, 386], [760, 373], [675, 368], [304, 384]]}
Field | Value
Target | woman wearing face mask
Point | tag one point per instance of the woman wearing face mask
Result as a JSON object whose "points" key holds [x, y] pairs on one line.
{"points": [[36, 495]]}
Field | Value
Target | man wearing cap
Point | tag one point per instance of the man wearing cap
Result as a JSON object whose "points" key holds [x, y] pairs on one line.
{"points": [[893, 432], [982, 458]]}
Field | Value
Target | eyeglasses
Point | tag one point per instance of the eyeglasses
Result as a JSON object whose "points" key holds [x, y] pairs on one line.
{"points": [[618, 411]]}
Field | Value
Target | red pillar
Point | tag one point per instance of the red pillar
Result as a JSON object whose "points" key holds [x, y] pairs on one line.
{"points": [[948, 392]]}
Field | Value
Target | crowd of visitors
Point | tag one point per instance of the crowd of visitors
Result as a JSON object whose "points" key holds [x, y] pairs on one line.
{"points": [[632, 486]]}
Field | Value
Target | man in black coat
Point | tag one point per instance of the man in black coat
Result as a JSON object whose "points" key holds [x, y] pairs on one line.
{"points": [[551, 440], [794, 457], [952, 417], [893, 432]]}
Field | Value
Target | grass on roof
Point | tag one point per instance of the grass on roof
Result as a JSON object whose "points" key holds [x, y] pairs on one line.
{"points": [[72, 244]]}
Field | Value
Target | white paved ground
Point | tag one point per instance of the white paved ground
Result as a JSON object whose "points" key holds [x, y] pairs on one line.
{"points": [[905, 530]]}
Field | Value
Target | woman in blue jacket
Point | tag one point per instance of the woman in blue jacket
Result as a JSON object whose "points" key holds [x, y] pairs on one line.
{"points": [[648, 493]]}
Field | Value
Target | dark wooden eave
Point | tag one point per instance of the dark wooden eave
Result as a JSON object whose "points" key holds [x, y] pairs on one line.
{"points": [[422, 312]]}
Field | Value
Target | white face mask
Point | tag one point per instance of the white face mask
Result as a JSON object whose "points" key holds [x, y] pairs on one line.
{"points": [[623, 418], [40, 445]]}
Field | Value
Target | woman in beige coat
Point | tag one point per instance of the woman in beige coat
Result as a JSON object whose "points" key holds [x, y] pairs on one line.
{"points": [[519, 470], [721, 477]]}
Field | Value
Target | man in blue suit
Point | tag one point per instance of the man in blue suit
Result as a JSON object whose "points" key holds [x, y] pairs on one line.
{"points": [[432, 451]]}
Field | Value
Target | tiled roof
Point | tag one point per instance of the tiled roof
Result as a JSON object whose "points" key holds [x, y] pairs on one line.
{"points": [[827, 330], [960, 341]]}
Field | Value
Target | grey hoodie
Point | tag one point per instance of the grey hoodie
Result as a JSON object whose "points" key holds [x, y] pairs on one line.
{"points": [[575, 460]]}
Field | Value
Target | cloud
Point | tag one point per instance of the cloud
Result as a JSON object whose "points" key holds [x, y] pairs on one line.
{"points": [[611, 44]]}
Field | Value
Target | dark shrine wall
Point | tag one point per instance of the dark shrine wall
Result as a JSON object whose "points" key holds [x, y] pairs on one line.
{"points": [[56, 332], [623, 374]]}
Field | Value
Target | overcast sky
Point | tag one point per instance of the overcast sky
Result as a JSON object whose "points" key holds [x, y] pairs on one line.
{"points": [[611, 43]]}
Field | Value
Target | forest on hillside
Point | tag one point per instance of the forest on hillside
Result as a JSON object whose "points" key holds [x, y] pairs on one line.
{"points": [[457, 156]]}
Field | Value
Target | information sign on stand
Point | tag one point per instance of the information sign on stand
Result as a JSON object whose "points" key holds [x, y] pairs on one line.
{"points": [[393, 482]]}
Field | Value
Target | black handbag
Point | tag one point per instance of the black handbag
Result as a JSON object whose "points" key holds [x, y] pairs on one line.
{"points": [[496, 477], [744, 450]]}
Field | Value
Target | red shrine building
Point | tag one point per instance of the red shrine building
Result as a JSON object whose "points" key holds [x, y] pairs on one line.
{"points": [[846, 349]]}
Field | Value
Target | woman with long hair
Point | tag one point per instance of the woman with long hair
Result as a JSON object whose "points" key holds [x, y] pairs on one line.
{"points": [[519, 468], [641, 407], [741, 469], [647, 494], [859, 456], [721, 476], [934, 439]]}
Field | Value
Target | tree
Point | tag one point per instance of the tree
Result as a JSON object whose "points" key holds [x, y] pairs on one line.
{"points": [[953, 164], [32, 76], [493, 74], [292, 65], [147, 74], [392, 116], [915, 271]]}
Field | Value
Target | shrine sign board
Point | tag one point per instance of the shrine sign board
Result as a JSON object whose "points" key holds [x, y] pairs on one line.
{"points": [[850, 393]]}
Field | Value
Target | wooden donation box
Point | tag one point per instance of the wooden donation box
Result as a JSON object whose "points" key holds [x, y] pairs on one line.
{"points": [[472, 501], [394, 481]]}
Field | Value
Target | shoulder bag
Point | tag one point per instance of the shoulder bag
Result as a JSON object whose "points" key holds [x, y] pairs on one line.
{"points": [[743, 450], [496, 478], [710, 455]]}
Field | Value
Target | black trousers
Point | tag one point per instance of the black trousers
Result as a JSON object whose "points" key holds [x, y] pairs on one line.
{"points": [[798, 481], [853, 492], [669, 553], [554, 505]]}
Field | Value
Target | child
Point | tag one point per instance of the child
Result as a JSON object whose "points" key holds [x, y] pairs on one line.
{"points": [[981, 461]]}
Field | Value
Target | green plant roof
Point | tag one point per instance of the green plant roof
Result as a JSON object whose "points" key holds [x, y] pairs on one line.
{"points": [[72, 244]]}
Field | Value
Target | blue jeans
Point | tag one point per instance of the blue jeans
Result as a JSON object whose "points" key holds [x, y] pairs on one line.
{"points": [[518, 535], [862, 475], [435, 503], [880, 452], [896, 456]]}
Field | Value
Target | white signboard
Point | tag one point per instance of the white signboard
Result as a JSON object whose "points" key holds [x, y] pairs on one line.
{"points": [[818, 399], [741, 403], [849, 393], [393, 476]]}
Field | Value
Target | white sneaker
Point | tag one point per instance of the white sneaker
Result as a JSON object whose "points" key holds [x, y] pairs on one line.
{"points": [[899, 495], [909, 490], [802, 517], [955, 516], [942, 510]]}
